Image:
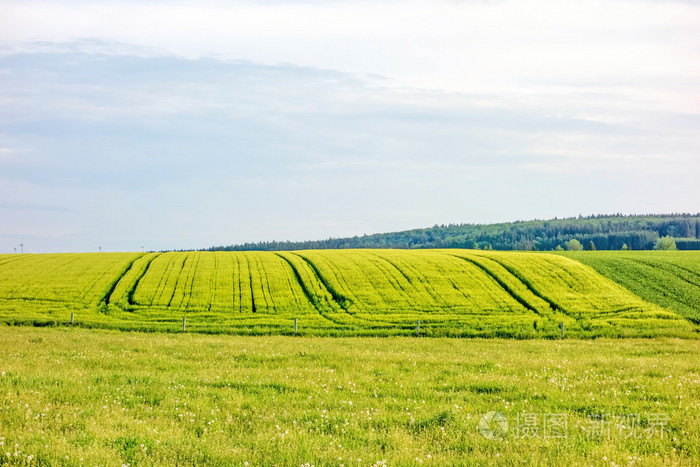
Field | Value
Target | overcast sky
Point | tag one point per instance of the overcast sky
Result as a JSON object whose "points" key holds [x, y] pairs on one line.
{"points": [[175, 125]]}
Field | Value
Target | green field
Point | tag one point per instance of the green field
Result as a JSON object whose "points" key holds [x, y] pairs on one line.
{"points": [[77, 396], [71, 396], [358, 292], [670, 279]]}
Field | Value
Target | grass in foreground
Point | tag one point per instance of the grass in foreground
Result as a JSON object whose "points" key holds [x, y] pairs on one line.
{"points": [[73, 396]]}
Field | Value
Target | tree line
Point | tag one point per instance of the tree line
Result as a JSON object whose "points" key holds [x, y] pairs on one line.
{"points": [[600, 232]]}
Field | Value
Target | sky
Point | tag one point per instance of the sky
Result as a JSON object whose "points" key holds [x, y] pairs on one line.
{"points": [[175, 125]]}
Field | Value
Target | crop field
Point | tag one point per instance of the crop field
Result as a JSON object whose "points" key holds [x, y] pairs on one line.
{"points": [[353, 292], [670, 279], [74, 396]]}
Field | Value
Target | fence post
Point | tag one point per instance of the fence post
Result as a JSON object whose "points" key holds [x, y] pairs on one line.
{"points": [[184, 323], [72, 319], [417, 327], [295, 325], [561, 328]]}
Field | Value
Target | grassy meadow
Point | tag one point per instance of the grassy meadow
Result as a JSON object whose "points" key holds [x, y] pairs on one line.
{"points": [[71, 396], [460, 293]]}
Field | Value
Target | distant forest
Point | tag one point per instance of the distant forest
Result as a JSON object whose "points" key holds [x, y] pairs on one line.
{"points": [[602, 232]]}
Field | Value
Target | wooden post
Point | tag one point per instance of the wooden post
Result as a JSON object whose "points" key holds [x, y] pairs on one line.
{"points": [[417, 327], [72, 319], [184, 323], [561, 327], [295, 325]]}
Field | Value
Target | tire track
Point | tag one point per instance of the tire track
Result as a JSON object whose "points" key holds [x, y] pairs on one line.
{"points": [[132, 290], [310, 296], [88, 289], [189, 284], [250, 282], [502, 284], [108, 295], [212, 283], [577, 317], [160, 289], [264, 281], [237, 282], [552, 304], [670, 268], [383, 272], [422, 279], [339, 298], [520, 299], [177, 281], [340, 279], [299, 301]]}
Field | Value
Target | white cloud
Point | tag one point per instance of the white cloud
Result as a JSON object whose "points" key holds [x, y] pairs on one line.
{"points": [[371, 116], [507, 46]]}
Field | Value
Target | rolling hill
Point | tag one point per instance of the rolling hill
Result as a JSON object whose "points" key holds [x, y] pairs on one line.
{"points": [[348, 292]]}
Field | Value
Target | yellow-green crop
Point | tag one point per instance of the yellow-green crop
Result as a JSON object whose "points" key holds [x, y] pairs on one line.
{"points": [[331, 292]]}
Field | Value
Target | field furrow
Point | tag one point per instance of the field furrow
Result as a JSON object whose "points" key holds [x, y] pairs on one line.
{"points": [[652, 275], [315, 293], [378, 292], [510, 284]]}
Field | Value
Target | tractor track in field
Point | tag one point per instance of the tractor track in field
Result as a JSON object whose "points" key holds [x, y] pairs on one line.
{"points": [[676, 298], [189, 284], [162, 282], [363, 272], [250, 283], [265, 282], [671, 268], [516, 296], [177, 281], [108, 295], [393, 265], [427, 287], [432, 290], [313, 299], [212, 284], [93, 283], [553, 305], [381, 265], [298, 300], [342, 301], [132, 290], [338, 298], [237, 286], [310, 296]]}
